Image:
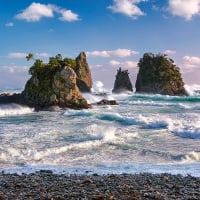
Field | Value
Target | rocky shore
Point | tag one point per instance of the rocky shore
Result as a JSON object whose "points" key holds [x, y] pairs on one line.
{"points": [[47, 185]]}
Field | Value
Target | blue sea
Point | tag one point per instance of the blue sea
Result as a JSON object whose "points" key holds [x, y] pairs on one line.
{"points": [[144, 133]]}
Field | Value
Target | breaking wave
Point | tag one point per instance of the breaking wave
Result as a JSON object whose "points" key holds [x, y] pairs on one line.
{"points": [[14, 109]]}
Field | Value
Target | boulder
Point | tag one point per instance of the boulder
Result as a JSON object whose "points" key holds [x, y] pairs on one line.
{"points": [[159, 75], [107, 102], [122, 82], [84, 77]]}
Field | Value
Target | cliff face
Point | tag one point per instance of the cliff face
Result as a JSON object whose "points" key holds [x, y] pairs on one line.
{"points": [[122, 82], [159, 75], [84, 78], [59, 88]]}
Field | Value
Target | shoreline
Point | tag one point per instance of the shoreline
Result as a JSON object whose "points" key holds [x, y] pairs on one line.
{"points": [[44, 184]]}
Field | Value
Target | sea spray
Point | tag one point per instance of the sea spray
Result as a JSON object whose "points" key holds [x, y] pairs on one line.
{"points": [[14, 109]]}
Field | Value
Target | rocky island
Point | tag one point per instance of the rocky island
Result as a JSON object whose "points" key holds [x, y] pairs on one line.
{"points": [[159, 75], [122, 82], [56, 83]]}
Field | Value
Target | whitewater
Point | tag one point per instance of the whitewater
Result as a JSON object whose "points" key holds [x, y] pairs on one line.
{"points": [[144, 133]]}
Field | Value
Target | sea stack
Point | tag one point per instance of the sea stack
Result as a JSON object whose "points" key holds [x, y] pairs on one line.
{"points": [[52, 84], [159, 75], [122, 82], [84, 77]]}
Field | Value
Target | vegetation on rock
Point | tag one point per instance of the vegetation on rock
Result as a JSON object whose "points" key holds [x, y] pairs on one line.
{"points": [[53, 83], [158, 74], [122, 82]]}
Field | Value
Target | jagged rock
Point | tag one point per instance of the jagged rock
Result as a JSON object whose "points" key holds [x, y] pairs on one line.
{"points": [[7, 98], [84, 78], [59, 89], [122, 82], [159, 75], [107, 102], [51, 84]]}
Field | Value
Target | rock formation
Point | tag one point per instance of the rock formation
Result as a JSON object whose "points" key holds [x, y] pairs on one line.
{"points": [[84, 78], [122, 82], [60, 89], [159, 75], [52, 84], [107, 102]]}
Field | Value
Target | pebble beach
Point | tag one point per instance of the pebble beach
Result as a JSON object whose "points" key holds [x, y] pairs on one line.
{"points": [[46, 185]]}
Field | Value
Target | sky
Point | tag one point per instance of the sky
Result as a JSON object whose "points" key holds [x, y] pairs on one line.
{"points": [[113, 33]]}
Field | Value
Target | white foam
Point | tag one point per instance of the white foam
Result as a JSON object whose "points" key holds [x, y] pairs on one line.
{"points": [[154, 121], [14, 109], [191, 157], [193, 89], [78, 113], [103, 133], [186, 126]]}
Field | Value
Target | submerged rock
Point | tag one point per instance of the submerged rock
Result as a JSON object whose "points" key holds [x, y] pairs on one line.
{"points": [[107, 102], [159, 75], [122, 82]]}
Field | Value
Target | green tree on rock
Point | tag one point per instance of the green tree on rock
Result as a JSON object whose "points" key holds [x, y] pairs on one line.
{"points": [[158, 74]]}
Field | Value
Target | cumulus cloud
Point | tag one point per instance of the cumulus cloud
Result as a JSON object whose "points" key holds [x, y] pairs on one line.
{"points": [[169, 52], [118, 53], [23, 55], [184, 8], [43, 55], [17, 55], [191, 61], [127, 7], [18, 75], [68, 15], [36, 11], [126, 64], [9, 24]]}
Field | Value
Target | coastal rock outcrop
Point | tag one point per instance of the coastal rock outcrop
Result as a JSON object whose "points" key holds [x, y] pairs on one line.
{"points": [[122, 82], [159, 75], [84, 77], [51, 84], [59, 89]]}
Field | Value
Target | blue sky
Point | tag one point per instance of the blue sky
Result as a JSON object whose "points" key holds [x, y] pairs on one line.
{"points": [[113, 33]]}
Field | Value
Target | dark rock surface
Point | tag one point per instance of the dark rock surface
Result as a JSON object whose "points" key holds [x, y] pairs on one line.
{"points": [[159, 75], [45, 185], [7, 98], [122, 82], [84, 77], [107, 102]]}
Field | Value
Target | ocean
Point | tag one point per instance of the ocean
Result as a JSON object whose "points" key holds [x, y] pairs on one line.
{"points": [[144, 133]]}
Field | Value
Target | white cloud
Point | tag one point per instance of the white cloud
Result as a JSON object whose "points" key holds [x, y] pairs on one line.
{"points": [[68, 15], [9, 24], [23, 55], [127, 7], [36, 11], [184, 8], [125, 64], [17, 55], [18, 75], [114, 63], [191, 61], [44, 55], [118, 53], [169, 52]]}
